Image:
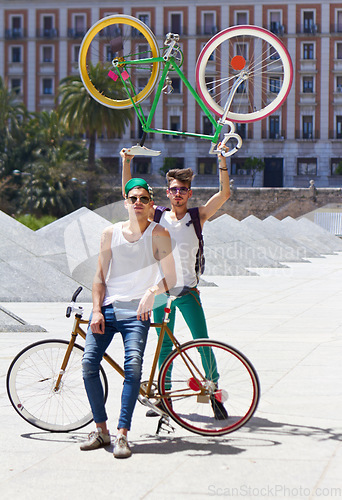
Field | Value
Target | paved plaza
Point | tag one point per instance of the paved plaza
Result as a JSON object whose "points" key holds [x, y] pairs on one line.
{"points": [[288, 321]]}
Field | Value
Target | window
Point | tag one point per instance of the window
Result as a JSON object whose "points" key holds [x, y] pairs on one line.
{"points": [[48, 29], [274, 54], [143, 51], [207, 126], [334, 164], [176, 22], [211, 85], [306, 166], [206, 166], [16, 85], [308, 84], [237, 166], [142, 165], [16, 24], [16, 54], [209, 27], [339, 127], [274, 85], [274, 127], [47, 54], [339, 21], [339, 84], [79, 25], [275, 22], [175, 124], [241, 17], [176, 85], [145, 18], [339, 50], [308, 50], [76, 52], [242, 88], [308, 22], [307, 122], [142, 82], [47, 86], [241, 129]]}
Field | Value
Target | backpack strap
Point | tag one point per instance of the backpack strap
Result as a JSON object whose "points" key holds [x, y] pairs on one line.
{"points": [[158, 212], [194, 214], [200, 260]]}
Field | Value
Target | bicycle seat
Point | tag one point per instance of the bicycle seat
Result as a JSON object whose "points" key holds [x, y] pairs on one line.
{"points": [[142, 151]]}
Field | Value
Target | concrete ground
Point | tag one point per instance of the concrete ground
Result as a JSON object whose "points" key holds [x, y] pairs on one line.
{"points": [[288, 322]]}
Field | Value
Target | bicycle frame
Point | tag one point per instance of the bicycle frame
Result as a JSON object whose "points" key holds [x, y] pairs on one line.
{"points": [[146, 392], [170, 63]]}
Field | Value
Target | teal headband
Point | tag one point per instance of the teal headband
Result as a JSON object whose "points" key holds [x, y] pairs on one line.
{"points": [[137, 182]]}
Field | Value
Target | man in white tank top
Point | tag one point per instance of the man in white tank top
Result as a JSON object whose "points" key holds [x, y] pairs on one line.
{"points": [[179, 224], [133, 257]]}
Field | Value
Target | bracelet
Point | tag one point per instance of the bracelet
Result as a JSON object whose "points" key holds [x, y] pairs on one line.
{"points": [[221, 168], [152, 291]]}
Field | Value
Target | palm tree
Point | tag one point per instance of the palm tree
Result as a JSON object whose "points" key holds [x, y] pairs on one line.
{"points": [[13, 114], [82, 114]]}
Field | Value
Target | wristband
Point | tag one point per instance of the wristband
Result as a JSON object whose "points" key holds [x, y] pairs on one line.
{"points": [[221, 168]]}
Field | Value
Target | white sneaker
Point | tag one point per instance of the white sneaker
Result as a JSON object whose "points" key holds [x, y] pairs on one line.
{"points": [[121, 447], [142, 151], [96, 439]]}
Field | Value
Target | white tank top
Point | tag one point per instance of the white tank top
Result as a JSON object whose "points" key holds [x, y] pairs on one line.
{"points": [[185, 247], [133, 267]]}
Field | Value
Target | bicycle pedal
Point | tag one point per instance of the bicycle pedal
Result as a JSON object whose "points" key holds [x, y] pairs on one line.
{"points": [[142, 151]]}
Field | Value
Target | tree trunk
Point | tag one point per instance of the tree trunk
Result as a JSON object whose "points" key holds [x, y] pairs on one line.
{"points": [[91, 170]]}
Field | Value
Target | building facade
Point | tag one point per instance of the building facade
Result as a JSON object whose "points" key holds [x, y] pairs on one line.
{"points": [[40, 41]]}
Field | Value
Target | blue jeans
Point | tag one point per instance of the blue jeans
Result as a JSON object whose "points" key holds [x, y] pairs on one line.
{"points": [[134, 334]]}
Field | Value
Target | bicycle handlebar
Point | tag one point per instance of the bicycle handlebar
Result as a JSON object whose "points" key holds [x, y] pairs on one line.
{"points": [[73, 300]]}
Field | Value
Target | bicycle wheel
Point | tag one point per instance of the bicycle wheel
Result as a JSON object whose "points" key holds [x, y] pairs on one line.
{"points": [[125, 38], [192, 395], [30, 386], [253, 53]]}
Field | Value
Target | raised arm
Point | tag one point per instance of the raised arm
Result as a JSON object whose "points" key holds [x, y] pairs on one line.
{"points": [[218, 199], [126, 168], [99, 283]]}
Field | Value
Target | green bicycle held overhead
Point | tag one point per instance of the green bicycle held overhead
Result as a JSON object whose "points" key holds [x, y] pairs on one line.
{"points": [[243, 74]]}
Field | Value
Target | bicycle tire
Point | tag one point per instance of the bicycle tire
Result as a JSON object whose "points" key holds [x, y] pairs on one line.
{"points": [[238, 381], [125, 37], [268, 71], [30, 381]]}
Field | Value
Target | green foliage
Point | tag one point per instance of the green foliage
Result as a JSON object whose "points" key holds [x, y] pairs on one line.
{"points": [[338, 169], [169, 164], [254, 165], [35, 223]]}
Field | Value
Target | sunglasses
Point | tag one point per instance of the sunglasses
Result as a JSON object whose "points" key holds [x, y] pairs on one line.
{"points": [[133, 199], [180, 190]]}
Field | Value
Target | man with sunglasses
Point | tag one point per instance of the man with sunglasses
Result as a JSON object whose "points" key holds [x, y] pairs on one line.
{"points": [[186, 244], [133, 256]]}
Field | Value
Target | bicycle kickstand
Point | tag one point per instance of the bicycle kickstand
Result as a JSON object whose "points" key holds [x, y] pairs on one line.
{"points": [[164, 425]]}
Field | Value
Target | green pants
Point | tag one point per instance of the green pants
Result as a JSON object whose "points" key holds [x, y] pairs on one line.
{"points": [[191, 308]]}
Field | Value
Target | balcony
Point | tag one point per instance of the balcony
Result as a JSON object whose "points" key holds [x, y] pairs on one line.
{"points": [[76, 33], [277, 28], [47, 33], [15, 34], [311, 29]]}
